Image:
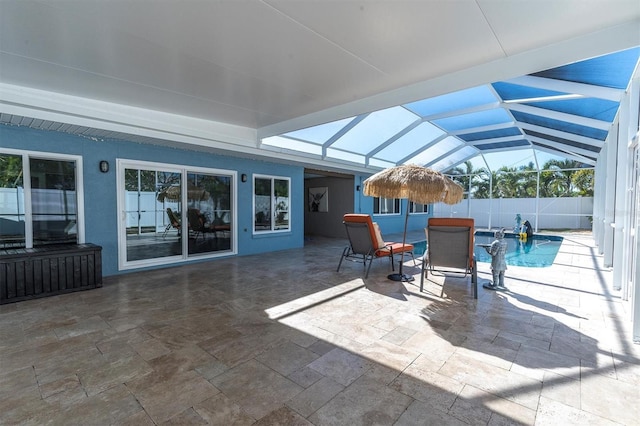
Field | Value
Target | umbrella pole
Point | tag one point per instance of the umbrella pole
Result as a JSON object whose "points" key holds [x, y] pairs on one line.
{"points": [[400, 276]]}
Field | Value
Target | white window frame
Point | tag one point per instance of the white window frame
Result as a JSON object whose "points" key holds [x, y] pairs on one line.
{"points": [[413, 205], [273, 205], [26, 173], [396, 202]]}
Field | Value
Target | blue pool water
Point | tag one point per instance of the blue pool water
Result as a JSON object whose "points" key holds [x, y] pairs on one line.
{"points": [[537, 251]]}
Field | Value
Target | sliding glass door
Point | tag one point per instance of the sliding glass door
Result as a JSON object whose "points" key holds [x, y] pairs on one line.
{"points": [[170, 213]]}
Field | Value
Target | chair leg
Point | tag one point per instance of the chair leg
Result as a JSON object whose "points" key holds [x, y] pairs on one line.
{"points": [[422, 272], [344, 254], [474, 279], [366, 274]]}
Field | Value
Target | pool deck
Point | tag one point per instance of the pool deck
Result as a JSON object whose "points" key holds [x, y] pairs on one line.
{"points": [[282, 338]]}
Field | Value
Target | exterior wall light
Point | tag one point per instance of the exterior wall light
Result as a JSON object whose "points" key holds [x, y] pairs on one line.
{"points": [[104, 166]]}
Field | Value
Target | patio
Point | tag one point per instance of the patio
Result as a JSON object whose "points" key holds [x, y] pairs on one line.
{"points": [[281, 338]]}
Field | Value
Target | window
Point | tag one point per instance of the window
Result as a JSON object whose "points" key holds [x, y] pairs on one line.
{"points": [[386, 205], [418, 208], [39, 199], [271, 203]]}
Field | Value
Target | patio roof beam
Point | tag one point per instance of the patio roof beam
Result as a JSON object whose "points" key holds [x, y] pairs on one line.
{"points": [[563, 135], [561, 116], [463, 111], [340, 133], [395, 137], [497, 140], [423, 148], [565, 147], [564, 86], [568, 155], [445, 155], [488, 128], [468, 157], [496, 150]]}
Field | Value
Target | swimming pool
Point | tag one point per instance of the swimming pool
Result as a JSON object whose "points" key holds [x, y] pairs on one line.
{"points": [[538, 251]]}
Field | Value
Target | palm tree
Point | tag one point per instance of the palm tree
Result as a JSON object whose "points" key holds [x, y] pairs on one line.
{"points": [[558, 177], [506, 183], [10, 171], [583, 182], [472, 180]]}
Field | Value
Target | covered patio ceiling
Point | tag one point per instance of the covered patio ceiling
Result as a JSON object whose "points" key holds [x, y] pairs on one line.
{"points": [[342, 86]]}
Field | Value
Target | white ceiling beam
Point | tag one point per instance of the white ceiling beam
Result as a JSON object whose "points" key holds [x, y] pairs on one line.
{"points": [[561, 116], [468, 157], [566, 148], [566, 155], [394, 138], [563, 135], [423, 148], [480, 142], [79, 111], [489, 128], [445, 155], [462, 111], [515, 148], [563, 86]]}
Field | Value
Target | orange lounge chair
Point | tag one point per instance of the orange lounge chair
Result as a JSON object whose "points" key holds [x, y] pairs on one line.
{"points": [[450, 249], [174, 222], [366, 242]]}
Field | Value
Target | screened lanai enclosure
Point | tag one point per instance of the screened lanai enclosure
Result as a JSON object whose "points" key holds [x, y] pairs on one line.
{"points": [[546, 120]]}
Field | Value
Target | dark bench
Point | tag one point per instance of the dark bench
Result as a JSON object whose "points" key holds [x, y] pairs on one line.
{"points": [[47, 271]]}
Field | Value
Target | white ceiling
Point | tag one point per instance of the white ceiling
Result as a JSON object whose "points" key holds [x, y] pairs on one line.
{"points": [[226, 73]]}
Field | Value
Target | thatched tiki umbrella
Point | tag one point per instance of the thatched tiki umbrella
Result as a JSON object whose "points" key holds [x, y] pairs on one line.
{"points": [[173, 193], [414, 183]]}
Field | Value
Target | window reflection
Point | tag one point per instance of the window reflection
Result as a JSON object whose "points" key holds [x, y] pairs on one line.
{"points": [[12, 219], [209, 212], [152, 208], [53, 201], [386, 205]]}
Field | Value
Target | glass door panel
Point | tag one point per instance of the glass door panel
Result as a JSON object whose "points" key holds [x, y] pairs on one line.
{"points": [[209, 212], [152, 214]]}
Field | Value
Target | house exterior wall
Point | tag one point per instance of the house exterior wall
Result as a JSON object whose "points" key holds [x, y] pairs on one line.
{"points": [[100, 192]]}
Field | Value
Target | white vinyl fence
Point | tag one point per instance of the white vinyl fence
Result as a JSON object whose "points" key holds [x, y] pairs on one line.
{"points": [[542, 213]]}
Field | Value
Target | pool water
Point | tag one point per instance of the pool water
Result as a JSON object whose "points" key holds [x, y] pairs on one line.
{"points": [[538, 251]]}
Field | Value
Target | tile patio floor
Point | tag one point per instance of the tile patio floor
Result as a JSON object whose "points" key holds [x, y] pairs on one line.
{"points": [[283, 339]]}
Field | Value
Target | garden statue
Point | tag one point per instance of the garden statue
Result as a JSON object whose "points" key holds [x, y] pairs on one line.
{"points": [[516, 229], [497, 249]]}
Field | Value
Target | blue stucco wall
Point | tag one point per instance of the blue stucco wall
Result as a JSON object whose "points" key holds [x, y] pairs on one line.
{"points": [[100, 188]]}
